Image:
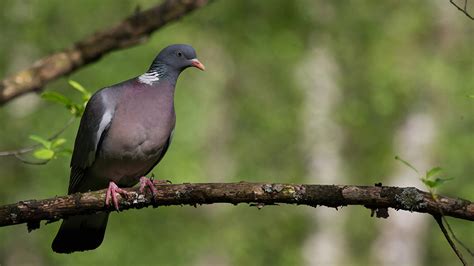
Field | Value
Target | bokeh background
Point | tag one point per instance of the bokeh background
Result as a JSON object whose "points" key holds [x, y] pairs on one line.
{"points": [[295, 91]]}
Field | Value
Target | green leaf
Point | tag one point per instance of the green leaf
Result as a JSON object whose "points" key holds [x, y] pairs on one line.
{"points": [[57, 142], [56, 97], [42, 141], [433, 171], [76, 109], [434, 183], [86, 95], [428, 182], [65, 152], [44, 154], [439, 181], [406, 163]]}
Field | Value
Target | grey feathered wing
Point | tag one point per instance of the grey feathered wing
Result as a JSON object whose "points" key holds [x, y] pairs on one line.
{"points": [[93, 128], [85, 232]]}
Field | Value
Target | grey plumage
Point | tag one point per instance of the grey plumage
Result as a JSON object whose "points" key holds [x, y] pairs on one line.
{"points": [[125, 131]]}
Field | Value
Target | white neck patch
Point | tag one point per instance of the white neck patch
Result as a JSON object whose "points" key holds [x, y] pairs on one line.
{"points": [[149, 77]]}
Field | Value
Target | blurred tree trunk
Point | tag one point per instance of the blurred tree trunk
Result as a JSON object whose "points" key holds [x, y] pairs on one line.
{"points": [[401, 239], [326, 245]]}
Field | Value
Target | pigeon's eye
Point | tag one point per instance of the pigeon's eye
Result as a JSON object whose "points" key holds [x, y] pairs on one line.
{"points": [[179, 54]]}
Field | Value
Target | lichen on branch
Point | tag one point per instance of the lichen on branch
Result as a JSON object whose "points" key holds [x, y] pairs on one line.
{"points": [[377, 198]]}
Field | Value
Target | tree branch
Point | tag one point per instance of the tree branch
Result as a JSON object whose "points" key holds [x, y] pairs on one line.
{"points": [[462, 9], [377, 198], [131, 31], [458, 253], [31, 148]]}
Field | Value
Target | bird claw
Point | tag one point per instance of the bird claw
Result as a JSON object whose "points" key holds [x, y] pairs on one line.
{"points": [[112, 192], [147, 182], [150, 183]]}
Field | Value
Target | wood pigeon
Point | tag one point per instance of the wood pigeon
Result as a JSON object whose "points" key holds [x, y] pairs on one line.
{"points": [[125, 131]]}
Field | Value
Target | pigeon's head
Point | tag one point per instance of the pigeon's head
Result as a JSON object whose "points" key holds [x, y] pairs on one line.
{"points": [[178, 57]]}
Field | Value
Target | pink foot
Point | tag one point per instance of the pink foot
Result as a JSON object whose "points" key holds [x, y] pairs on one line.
{"points": [[112, 194], [146, 182]]}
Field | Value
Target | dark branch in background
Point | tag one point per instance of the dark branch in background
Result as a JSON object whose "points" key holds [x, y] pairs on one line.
{"points": [[458, 253], [450, 230], [376, 198], [449, 234], [131, 31], [462, 9]]}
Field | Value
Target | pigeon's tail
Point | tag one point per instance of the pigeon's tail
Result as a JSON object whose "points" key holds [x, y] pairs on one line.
{"points": [[80, 233]]}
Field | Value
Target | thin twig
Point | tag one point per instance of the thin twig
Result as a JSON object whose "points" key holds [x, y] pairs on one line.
{"points": [[26, 161], [463, 10], [31, 148], [439, 220], [443, 217], [455, 238]]}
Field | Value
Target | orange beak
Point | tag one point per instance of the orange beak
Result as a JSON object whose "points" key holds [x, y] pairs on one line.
{"points": [[197, 64]]}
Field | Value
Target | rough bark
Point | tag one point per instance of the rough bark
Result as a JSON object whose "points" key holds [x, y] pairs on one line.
{"points": [[131, 31], [377, 198]]}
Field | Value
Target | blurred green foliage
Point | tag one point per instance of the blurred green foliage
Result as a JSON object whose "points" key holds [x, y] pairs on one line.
{"points": [[241, 119]]}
